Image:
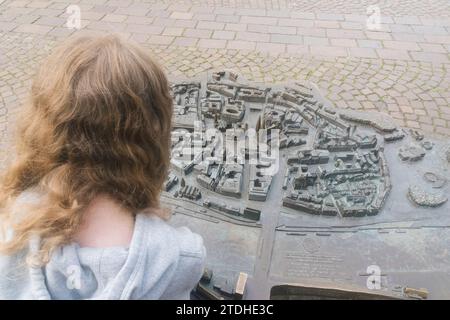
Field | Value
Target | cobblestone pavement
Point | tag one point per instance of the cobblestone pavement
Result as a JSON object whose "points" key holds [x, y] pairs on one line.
{"points": [[402, 69]]}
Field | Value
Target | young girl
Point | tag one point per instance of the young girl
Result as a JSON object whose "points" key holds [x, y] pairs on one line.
{"points": [[79, 207]]}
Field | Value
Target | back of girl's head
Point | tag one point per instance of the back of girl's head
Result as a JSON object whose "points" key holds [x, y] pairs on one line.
{"points": [[98, 122]]}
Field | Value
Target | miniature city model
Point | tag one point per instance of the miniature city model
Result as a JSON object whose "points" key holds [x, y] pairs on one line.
{"points": [[333, 168], [254, 167]]}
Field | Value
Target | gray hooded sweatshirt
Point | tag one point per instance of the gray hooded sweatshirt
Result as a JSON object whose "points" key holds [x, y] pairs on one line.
{"points": [[161, 262]]}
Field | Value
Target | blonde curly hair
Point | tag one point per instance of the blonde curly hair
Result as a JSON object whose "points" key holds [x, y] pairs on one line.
{"points": [[98, 121]]}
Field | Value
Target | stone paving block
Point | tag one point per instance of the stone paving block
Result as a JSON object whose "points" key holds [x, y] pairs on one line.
{"points": [[33, 29], [328, 51], [139, 37], [119, 3], [286, 39], [51, 21], [97, 8], [420, 112], [236, 27], [252, 12], [437, 39], [84, 6], [407, 20], [91, 15], [429, 21], [303, 23], [273, 48], [7, 26], [313, 32], [210, 25], [342, 42], [281, 30], [185, 41], [259, 20], [393, 54], [173, 31], [181, 15], [261, 28], [196, 33], [330, 16], [253, 36], [286, 13], [47, 12], [227, 18], [147, 29], [355, 18], [16, 11], [386, 20], [297, 49], [439, 122], [141, 20], [443, 131], [347, 34], [224, 10], [430, 57], [430, 47], [376, 35], [202, 9], [221, 34], [133, 11], [374, 44], [382, 28], [164, 22], [28, 19], [18, 3], [433, 30], [163, 40], [303, 15], [412, 124], [352, 25], [159, 13], [241, 45], [408, 37], [184, 23], [61, 32], [362, 52], [315, 41], [114, 18], [4, 17], [211, 43], [38, 4], [204, 17], [177, 7], [401, 28], [401, 45], [327, 24]]}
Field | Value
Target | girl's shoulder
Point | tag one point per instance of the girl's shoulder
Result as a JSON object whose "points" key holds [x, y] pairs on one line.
{"points": [[188, 243], [178, 253]]}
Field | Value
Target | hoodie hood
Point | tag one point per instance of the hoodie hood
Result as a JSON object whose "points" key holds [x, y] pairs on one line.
{"points": [[161, 263], [143, 270]]}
